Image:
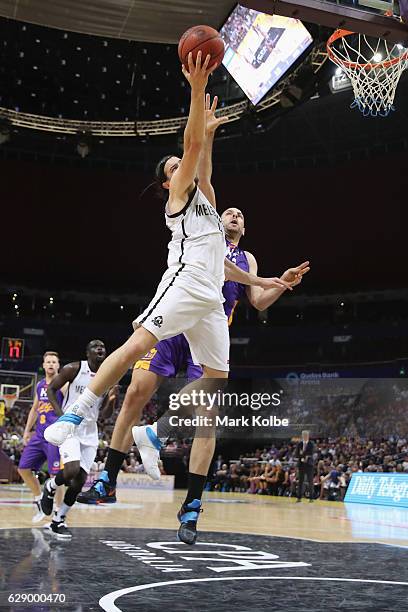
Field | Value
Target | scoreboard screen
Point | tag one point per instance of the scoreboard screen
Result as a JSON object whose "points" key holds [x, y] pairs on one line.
{"points": [[260, 49]]}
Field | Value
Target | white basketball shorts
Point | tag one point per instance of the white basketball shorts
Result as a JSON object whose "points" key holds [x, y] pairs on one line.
{"points": [[73, 450], [184, 305]]}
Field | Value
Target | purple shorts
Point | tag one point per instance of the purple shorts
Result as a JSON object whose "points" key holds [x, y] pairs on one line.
{"points": [[36, 452], [169, 357]]}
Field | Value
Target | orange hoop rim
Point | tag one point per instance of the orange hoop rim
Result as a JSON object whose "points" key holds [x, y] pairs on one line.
{"points": [[342, 34], [9, 399]]}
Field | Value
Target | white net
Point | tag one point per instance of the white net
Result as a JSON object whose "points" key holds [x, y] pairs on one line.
{"points": [[8, 400], [373, 66], [9, 394]]}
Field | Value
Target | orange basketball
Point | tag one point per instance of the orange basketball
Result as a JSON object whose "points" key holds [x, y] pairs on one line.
{"points": [[201, 38]]}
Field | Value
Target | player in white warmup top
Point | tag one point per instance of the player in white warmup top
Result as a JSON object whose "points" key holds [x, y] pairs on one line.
{"points": [[189, 297]]}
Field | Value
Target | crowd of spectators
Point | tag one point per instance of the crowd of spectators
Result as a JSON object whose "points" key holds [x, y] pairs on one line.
{"points": [[274, 471], [355, 408], [268, 471]]}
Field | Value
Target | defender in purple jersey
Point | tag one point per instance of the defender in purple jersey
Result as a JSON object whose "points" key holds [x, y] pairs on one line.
{"points": [[37, 450]]}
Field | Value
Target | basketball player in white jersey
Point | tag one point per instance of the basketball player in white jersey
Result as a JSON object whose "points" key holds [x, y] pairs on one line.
{"points": [[189, 297], [78, 451]]}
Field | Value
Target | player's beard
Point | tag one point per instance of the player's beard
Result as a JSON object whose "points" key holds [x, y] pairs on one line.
{"points": [[233, 234]]}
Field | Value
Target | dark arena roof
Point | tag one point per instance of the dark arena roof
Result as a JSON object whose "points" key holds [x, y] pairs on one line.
{"points": [[62, 74], [100, 94], [161, 21]]}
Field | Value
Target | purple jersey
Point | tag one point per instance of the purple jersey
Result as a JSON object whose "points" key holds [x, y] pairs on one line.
{"points": [[233, 291], [45, 411]]}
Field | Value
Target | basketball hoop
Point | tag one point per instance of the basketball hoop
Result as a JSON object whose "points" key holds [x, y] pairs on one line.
{"points": [[9, 394], [373, 66], [9, 399]]}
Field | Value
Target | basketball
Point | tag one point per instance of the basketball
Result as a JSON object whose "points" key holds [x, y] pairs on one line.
{"points": [[201, 38]]}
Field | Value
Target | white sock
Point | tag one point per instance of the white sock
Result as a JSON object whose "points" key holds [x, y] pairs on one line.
{"points": [[61, 512], [85, 401], [37, 498]]}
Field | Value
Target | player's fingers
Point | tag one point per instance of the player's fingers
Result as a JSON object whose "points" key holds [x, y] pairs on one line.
{"points": [[206, 62], [190, 62], [282, 283], [303, 265], [214, 104], [222, 120], [207, 101], [198, 62]]}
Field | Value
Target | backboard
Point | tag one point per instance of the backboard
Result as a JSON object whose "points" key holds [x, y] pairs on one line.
{"points": [[22, 383]]}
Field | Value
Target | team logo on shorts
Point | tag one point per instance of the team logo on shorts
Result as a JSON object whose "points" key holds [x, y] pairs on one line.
{"points": [[157, 321]]}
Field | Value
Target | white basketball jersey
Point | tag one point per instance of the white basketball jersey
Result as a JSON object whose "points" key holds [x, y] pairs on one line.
{"points": [[87, 431], [198, 240]]}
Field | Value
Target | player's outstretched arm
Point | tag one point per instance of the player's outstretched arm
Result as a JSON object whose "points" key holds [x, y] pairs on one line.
{"points": [[263, 297], [183, 178], [31, 419], [66, 375], [233, 273], [205, 163]]}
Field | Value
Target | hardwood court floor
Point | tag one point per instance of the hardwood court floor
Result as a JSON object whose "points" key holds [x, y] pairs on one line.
{"points": [[227, 512], [254, 554]]}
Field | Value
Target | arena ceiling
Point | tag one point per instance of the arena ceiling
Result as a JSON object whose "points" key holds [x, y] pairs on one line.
{"points": [[143, 20]]}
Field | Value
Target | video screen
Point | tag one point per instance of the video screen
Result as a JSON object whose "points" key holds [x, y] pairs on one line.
{"points": [[260, 48]]}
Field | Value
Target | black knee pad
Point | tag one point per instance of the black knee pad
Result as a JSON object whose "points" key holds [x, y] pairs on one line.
{"points": [[70, 473], [79, 480], [75, 487]]}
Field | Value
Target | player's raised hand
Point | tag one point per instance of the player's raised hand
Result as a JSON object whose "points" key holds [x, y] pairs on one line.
{"points": [[211, 121], [273, 283], [294, 275], [113, 393], [197, 74]]}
